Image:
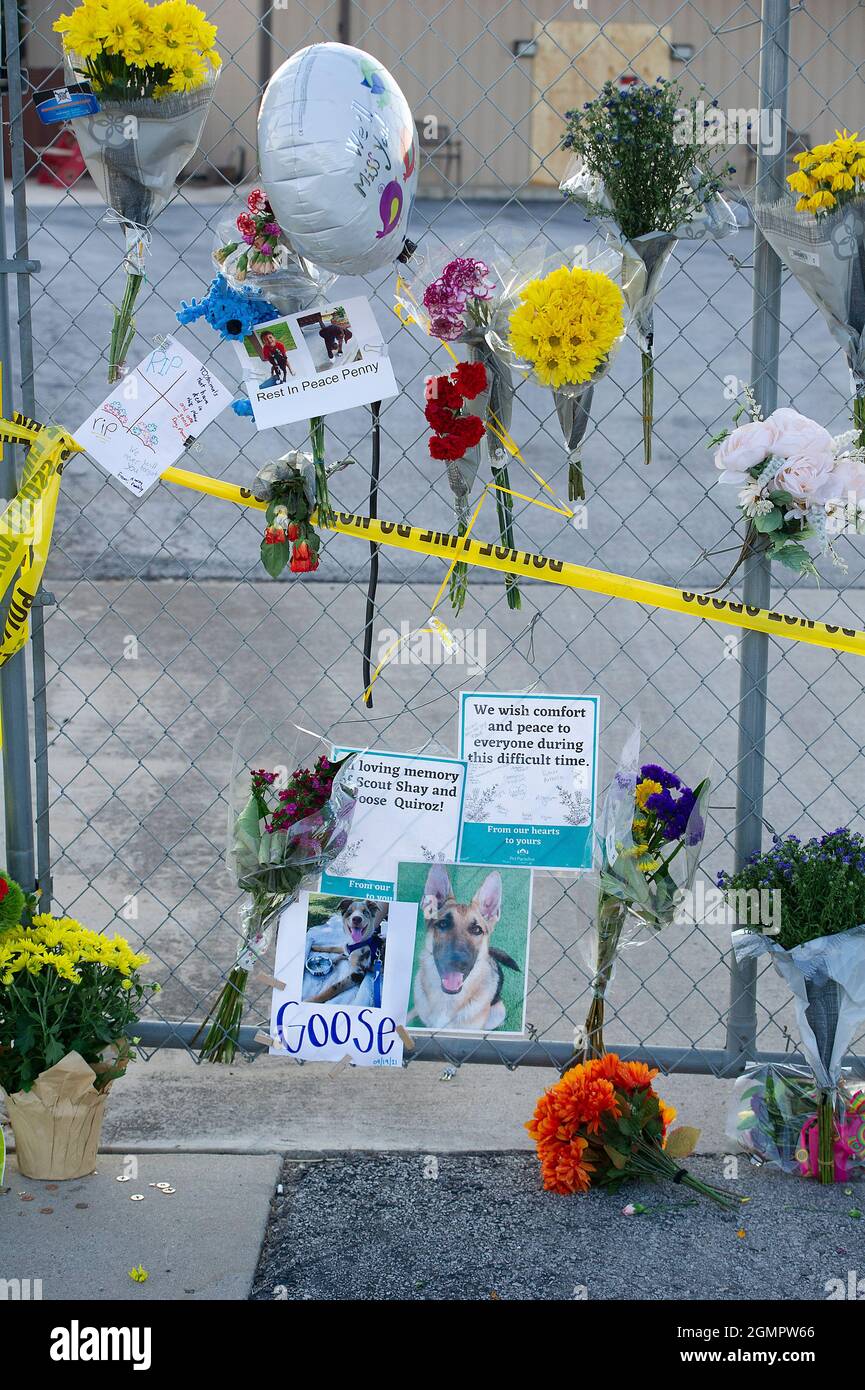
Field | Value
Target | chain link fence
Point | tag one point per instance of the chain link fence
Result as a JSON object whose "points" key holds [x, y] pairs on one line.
{"points": [[157, 632]]}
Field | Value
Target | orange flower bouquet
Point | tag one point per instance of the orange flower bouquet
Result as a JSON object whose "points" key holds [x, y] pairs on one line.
{"points": [[602, 1123]]}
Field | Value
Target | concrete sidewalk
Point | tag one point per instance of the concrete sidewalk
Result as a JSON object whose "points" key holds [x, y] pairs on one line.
{"points": [[170, 1104], [427, 1184], [218, 1136], [82, 1238]]}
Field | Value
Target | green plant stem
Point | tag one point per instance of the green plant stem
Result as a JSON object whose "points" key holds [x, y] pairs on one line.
{"points": [[612, 914], [459, 581], [826, 1137], [123, 329], [324, 509], [859, 419], [648, 402], [220, 1043], [505, 511], [576, 482], [651, 1160]]}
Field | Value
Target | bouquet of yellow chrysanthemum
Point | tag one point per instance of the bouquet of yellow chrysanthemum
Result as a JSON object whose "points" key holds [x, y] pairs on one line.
{"points": [[63, 987], [152, 68], [821, 240], [648, 842], [563, 331], [67, 997]]}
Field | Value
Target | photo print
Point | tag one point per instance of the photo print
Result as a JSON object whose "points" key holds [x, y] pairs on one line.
{"points": [[471, 947], [342, 972], [316, 363]]}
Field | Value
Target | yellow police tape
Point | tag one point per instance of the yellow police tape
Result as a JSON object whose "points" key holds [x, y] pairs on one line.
{"points": [[26, 526], [27, 522], [487, 555]]}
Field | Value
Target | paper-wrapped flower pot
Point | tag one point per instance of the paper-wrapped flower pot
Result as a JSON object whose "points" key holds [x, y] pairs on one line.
{"points": [[58, 1124], [338, 154]]}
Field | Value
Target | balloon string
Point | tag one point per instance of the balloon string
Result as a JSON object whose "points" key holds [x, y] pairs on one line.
{"points": [[373, 553], [434, 626]]}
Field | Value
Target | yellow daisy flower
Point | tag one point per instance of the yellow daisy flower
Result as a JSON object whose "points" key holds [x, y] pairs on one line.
{"points": [[818, 201], [644, 790], [801, 183]]}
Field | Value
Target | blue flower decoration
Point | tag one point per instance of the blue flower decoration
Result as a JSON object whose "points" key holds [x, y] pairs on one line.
{"points": [[232, 313]]}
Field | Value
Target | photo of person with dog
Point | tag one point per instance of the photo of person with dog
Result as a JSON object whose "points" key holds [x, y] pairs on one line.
{"points": [[471, 954], [344, 952], [341, 979], [328, 334]]}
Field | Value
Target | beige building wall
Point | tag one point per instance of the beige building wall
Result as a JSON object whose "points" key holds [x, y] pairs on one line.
{"points": [[456, 65]]}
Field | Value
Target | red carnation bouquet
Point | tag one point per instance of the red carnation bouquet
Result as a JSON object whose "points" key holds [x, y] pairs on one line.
{"points": [[455, 298], [454, 433], [603, 1123]]}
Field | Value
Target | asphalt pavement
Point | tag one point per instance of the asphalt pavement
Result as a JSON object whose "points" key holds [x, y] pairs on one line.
{"points": [[479, 1227]]}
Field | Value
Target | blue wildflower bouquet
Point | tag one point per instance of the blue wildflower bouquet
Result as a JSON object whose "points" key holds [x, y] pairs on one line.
{"points": [[648, 846], [642, 166]]}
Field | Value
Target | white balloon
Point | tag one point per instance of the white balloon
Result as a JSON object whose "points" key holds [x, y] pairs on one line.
{"points": [[338, 154]]}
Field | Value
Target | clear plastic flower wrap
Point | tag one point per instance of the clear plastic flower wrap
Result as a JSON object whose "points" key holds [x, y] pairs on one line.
{"points": [[290, 814], [134, 150], [291, 283], [826, 976], [644, 259], [826, 254], [560, 323], [648, 842], [773, 1116]]}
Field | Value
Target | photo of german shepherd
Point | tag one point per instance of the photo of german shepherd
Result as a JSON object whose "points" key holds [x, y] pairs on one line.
{"points": [[459, 981]]}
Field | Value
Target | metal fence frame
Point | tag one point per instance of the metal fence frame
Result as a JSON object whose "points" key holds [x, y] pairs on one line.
{"points": [[25, 763]]}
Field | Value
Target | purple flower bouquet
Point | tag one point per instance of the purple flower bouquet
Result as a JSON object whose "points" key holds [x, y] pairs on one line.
{"points": [[648, 846]]}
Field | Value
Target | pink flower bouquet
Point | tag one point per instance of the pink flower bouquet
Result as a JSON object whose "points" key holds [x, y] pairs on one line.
{"points": [[799, 487]]}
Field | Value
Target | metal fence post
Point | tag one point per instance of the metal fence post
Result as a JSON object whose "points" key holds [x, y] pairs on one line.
{"points": [[17, 795], [28, 402], [756, 589]]}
